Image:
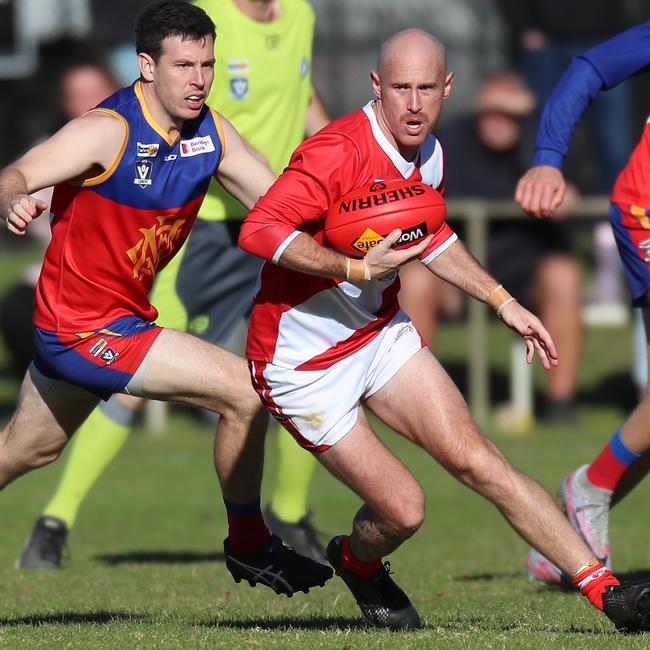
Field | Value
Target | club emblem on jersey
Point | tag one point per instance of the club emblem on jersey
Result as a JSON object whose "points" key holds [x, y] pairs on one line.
{"points": [[147, 150], [378, 186], [239, 88], [367, 240], [195, 146], [108, 356], [304, 67], [156, 244], [143, 172], [272, 41]]}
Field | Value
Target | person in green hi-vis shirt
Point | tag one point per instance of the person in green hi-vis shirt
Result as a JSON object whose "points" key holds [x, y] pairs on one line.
{"points": [[263, 85]]}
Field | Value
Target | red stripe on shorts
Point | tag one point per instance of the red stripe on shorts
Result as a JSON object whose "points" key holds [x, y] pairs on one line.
{"points": [[264, 391]]}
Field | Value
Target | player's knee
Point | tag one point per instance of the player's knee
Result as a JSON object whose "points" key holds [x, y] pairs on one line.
{"points": [[18, 459], [409, 516], [245, 407], [484, 469]]}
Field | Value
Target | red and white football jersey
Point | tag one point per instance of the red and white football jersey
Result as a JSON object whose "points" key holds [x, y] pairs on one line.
{"points": [[308, 322]]}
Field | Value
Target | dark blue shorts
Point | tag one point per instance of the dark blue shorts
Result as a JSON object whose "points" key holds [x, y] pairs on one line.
{"points": [[102, 361], [631, 226]]}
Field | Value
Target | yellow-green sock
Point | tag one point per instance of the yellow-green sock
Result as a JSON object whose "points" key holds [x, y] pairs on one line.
{"points": [[295, 469], [93, 447]]}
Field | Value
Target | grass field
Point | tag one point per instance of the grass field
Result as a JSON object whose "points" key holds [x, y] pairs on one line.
{"points": [[145, 567]]}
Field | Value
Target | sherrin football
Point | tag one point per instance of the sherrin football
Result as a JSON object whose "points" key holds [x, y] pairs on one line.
{"points": [[363, 217]]}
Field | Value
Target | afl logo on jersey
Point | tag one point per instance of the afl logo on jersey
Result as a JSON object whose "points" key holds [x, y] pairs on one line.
{"points": [[143, 172], [239, 88]]}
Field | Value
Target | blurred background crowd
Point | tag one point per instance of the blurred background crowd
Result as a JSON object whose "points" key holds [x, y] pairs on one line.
{"points": [[60, 57]]}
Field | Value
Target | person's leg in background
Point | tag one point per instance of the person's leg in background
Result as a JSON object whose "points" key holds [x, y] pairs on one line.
{"points": [[589, 491], [216, 283], [97, 442], [94, 446], [534, 260], [557, 288]]}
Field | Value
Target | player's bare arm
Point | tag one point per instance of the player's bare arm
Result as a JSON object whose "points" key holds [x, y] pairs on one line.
{"points": [[305, 254], [240, 172], [459, 267], [83, 148], [541, 190]]}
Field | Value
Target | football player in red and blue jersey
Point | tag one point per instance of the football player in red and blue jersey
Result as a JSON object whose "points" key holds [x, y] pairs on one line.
{"points": [[588, 491], [129, 179]]}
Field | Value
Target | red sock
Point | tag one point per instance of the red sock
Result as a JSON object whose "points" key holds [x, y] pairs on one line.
{"points": [[353, 565], [592, 582], [606, 470], [246, 528]]}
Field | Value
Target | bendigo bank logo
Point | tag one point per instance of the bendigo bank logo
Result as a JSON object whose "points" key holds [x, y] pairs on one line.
{"points": [[155, 245]]}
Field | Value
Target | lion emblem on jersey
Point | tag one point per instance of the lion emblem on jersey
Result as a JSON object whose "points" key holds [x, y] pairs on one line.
{"points": [[156, 244]]}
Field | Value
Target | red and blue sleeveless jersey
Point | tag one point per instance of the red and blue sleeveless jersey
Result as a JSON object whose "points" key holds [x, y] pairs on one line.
{"points": [[113, 232]]}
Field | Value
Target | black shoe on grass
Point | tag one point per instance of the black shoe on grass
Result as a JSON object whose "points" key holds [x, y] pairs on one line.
{"points": [[628, 606], [301, 535], [45, 546], [278, 567], [381, 601]]}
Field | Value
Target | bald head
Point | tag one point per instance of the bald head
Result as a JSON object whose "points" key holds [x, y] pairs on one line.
{"points": [[408, 46], [410, 83]]}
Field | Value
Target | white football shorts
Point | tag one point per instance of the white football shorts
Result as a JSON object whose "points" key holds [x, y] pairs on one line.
{"points": [[318, 407]]}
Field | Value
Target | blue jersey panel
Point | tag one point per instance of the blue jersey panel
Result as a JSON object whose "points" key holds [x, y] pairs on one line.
{"points": [[154, 173]]}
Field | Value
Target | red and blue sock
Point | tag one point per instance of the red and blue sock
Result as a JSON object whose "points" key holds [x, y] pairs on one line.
{"points": [[246, 528], [611, 463]]}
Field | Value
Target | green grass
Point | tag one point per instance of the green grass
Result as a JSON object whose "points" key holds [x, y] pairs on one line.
{"points": [[145, 567]]}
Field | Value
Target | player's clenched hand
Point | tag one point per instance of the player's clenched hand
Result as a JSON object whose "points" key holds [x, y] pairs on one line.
{"points": [[530, 328], [22, 211], [540, 191], [383, 259]]}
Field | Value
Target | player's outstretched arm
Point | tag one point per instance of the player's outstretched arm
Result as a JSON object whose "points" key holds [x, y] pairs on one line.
{"points": [[81, 149], [535, 335], [541, 190], [459, 267]]}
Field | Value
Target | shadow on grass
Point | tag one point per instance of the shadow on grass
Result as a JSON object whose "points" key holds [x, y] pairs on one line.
{"points": [[73, 618], [487, 577], [636, 575], [159, 557], [289, 623], [465, 624]]}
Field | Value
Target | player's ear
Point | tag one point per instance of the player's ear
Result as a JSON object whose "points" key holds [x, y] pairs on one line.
{"points": [[374, 82], [449, 80], [146, 65]]}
